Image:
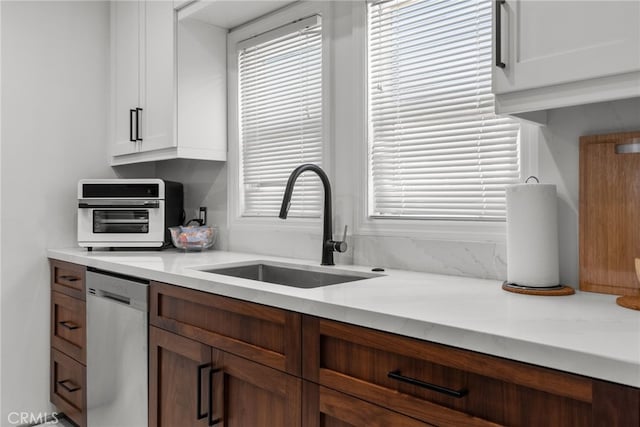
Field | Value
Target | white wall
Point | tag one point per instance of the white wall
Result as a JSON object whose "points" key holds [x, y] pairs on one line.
{"points": [[54, 124]]}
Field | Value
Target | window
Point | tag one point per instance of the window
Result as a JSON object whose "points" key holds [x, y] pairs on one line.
{"points": [[436, 148], [280, 118]]}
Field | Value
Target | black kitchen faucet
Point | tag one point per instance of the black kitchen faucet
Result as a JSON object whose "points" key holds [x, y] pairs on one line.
{"points": [[328, 244]]}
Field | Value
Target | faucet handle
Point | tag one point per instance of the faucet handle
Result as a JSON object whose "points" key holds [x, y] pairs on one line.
{"points": [[341, 246]]}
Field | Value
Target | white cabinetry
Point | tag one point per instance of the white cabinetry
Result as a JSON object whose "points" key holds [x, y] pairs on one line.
{"points": [[168, 85], [563, 53]]}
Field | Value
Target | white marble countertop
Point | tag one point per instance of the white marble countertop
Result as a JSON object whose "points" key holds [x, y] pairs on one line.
{"points": [[585, 333]]}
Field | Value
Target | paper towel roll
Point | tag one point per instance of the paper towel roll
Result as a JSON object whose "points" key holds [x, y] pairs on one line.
{"points": [[532, 235]]}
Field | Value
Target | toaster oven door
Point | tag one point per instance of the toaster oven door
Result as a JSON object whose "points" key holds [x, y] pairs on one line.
{"points": [[115, 221], [115, 225]]}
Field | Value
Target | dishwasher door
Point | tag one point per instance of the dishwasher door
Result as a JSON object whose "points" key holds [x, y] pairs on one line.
{"points": [[117, 350]]}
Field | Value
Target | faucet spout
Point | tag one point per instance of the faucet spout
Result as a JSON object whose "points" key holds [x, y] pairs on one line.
{"points": [[328, 244]]}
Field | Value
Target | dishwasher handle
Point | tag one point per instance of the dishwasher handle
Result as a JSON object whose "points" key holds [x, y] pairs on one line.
{"points": [[118, 289], [113, 297]]}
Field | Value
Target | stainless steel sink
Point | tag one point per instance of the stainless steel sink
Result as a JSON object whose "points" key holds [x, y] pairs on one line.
{"points": [[290, 275]]}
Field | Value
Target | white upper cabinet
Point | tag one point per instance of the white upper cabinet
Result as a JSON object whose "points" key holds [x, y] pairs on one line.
{"points": [[157, 76], [165, 72], [125, 16], [561, 53]]}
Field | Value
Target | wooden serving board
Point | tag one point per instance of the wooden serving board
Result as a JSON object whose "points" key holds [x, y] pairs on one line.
{"points": [[609, 214]]}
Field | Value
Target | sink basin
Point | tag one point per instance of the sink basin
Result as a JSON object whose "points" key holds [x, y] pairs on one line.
{"points": [[289, 275]]}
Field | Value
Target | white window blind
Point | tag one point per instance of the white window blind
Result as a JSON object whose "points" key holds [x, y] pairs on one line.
{"points": [[436, 148], [280, 101]]}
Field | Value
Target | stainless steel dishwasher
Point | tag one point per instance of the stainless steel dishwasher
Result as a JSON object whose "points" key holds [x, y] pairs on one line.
{"points": [[117, 349]]}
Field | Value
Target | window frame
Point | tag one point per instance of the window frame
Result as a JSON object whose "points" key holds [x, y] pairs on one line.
{"points": [[272, 21], [445, 230]]}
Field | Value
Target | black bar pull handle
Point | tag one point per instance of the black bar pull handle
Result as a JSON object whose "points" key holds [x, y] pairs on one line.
{"points": [[69, 325], [131, 113], [212, 421], [69, 385], [499, 4], [138, 137], [199, 414], [70, 278], [449, 392]]}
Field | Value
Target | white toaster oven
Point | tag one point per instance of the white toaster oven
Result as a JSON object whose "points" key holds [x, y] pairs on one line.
{"points": [[126, 213]]}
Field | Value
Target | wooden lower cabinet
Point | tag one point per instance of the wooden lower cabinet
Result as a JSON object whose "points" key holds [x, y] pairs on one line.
{"points": [[197, 385], [226, 362], [175, 364], [324, 407], [447, 386], [68, 335]]}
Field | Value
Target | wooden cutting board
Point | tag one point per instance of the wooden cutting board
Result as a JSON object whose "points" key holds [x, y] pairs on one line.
{"points": [[609, 214]]}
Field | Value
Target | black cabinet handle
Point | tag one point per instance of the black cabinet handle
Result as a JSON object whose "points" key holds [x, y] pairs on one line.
{"points": [[69, 325], [70, 278], [138, 111], [199, 414], [499, 62], [69, 385], [211, 420], [131, 113], [449, 392]]}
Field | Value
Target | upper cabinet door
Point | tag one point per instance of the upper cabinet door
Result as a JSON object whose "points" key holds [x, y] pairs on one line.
{"points": [[547, 43], [554, 54], [157, 91], [125, 33]]}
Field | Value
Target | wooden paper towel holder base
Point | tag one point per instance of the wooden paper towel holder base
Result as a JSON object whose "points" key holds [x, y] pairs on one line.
{"points": [[553, 291], [628, 301]]}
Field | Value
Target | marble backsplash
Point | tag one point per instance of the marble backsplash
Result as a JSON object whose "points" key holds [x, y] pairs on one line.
{"points": [[472, 259]]}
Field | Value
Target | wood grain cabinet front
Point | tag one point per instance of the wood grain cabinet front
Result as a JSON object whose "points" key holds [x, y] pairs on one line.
{"points": [[68, 332], [196, 385], [68, 387], [267, 335], [220, 361], [323, 407], [446, 386], [68, 340], [68, 279]]}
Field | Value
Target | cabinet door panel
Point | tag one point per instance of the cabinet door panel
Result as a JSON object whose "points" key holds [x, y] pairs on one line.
{"points": [[547, 43], [68, 331], [68, 381], [158, 86], [359, 361], [68, 278], [323, 407], [174, 363], [125, 26], [266, 335], [255, 395]]}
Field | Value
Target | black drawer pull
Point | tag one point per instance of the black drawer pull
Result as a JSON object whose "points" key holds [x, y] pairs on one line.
{"points": [[69, 385], [449, 392], [70, 278], [211, 420], [69, 325], [199, 414]]}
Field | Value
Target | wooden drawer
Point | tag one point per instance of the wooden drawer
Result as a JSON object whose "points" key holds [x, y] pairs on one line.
{"points": [[68, 278], [361, 362], [266, 335], [68, 387], [68, 331], [323, 407]]}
